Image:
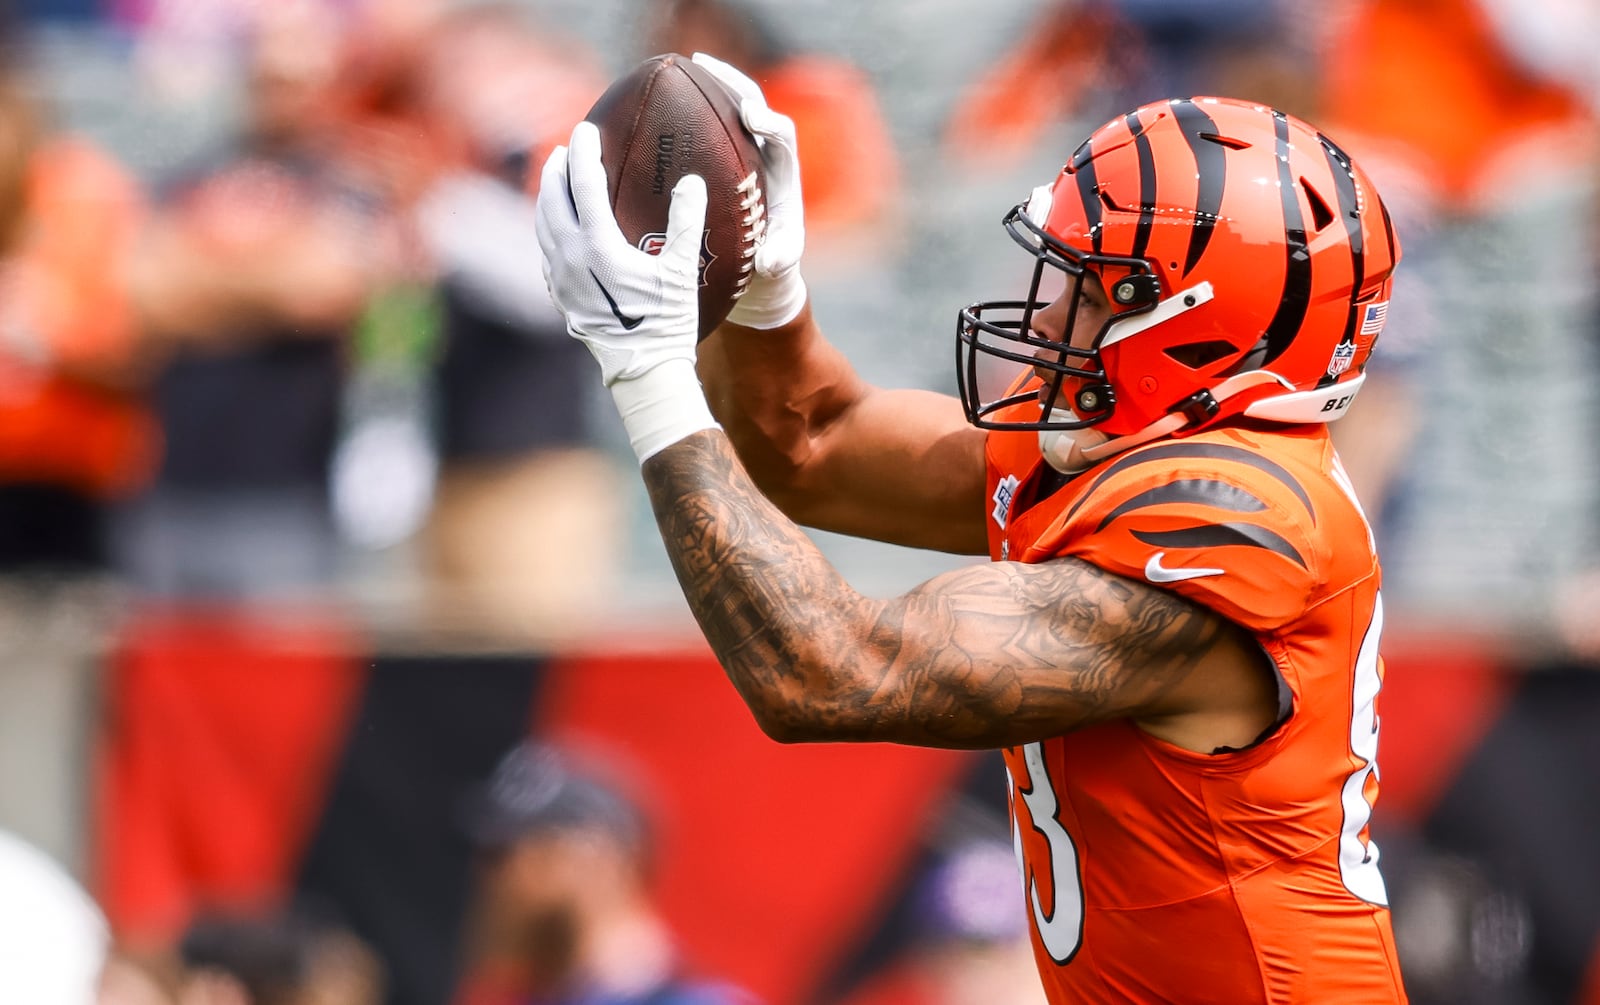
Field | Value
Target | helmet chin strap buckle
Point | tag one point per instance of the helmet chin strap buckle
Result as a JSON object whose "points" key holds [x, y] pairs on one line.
{"points": [[1198, 407], [1201, 406]]}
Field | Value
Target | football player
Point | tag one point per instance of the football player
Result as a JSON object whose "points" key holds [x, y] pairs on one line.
{"points": [[1176, 642]]}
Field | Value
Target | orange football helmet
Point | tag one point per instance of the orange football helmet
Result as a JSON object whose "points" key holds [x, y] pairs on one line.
{"points": [[1247, 261]]}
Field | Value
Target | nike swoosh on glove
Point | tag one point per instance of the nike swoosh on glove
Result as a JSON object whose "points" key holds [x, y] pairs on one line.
{"points": [[638, 313], [633, 309]]}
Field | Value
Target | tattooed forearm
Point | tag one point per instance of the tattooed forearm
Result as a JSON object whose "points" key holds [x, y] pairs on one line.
{"points": [[984, 656], [766, 600]]}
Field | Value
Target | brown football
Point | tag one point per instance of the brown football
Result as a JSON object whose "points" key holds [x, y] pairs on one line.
{"points": [[668, 118]]}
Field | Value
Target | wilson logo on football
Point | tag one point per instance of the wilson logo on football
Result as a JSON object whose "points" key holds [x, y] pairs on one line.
{"points": [[651, 244]]}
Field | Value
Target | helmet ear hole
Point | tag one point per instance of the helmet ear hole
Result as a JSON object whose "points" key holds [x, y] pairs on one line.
{"points": [[1230, 142], [1199, 355], [1321, 215]]}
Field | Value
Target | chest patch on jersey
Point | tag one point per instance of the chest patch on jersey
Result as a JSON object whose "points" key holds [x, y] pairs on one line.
{"points": [[1003, 494]]}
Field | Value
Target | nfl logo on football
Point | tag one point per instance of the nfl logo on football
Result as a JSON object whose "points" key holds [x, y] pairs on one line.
{"points": [[1342, 355], [651, 244]]}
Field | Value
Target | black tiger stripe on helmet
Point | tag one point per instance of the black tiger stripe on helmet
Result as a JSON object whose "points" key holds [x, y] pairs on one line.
{"points": [[1147, 185], [1296, 296], [1344, 187], [1211, 175]]}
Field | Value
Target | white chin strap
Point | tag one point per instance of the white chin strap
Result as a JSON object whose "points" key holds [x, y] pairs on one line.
{"points": [[1057, 444], [1092, 446]]}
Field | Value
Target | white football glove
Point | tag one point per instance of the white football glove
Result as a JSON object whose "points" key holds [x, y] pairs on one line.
{"points": [[638, 313], [777, 293]]}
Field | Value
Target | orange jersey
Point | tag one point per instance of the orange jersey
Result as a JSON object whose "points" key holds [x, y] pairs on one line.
{"points": [[1156, 874]]}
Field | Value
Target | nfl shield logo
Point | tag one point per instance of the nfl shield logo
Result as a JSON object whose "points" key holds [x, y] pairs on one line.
{"points": [[651, 244], [1343, 354]]}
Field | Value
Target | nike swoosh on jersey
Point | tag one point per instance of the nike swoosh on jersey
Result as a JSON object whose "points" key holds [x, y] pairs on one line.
{"points": [[628, 323], [1158, 573]]}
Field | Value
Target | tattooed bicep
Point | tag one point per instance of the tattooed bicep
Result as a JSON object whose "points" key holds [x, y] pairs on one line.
{"points": [[1042, 648]]}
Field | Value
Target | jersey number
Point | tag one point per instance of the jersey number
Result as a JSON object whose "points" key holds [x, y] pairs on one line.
{"points": [[1061, 930], [1358, 857]]}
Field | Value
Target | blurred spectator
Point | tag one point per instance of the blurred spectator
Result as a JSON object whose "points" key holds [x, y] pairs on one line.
{"points": [[967, 945], [849, 171], [260, 262], [1081, 60], [75, 438], [294, 958], [970, 948], [1482, 128], [125, 982], [525, 534], [1577, 616], [74, 432], [565, 910]]}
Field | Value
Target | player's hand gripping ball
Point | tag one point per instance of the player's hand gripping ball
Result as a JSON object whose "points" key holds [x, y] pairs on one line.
{"points": [[666, 119]]}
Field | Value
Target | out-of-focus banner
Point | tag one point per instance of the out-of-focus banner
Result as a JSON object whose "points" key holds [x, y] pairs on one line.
{"points": [[242, 764]]}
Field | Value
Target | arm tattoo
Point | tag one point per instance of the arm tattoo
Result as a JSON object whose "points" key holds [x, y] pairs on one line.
{"points": [[989, 655]]}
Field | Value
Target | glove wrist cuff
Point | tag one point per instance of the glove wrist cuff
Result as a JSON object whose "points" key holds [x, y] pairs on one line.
{"points": [[772, 305], [662, 406]]}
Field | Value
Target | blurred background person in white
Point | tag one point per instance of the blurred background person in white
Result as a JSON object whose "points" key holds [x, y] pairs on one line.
{"points": [[53, 939]]}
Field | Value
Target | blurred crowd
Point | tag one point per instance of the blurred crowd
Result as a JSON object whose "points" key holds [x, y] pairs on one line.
{"points": [[314, 360], [293, 351], [311, 358], [561, 909]]}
